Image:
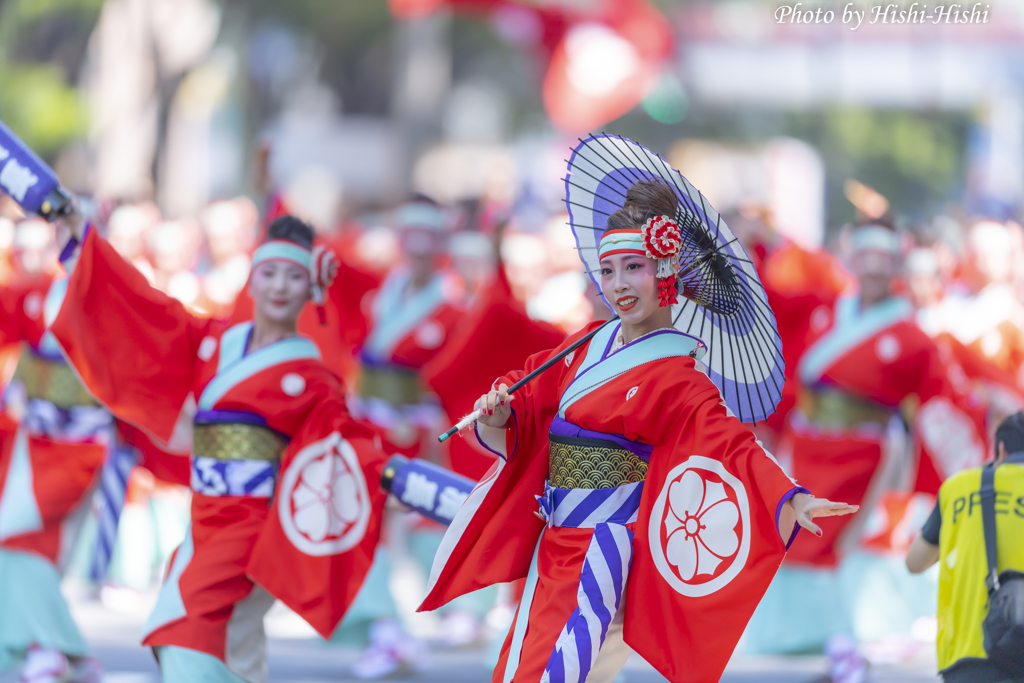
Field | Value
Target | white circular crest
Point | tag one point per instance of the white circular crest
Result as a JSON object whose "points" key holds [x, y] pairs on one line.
{"points": [[821, 318], [293, 384], [33, 305], [992, 343], [430, 334], [207, 347], [700, 527], [323, 502], [887, 347]]}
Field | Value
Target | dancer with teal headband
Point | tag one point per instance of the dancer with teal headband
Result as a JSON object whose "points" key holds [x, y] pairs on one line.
{"points": [[286, 485]]}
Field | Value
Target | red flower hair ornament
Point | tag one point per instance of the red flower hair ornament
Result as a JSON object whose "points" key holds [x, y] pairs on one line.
{"points": [[663, 242]]}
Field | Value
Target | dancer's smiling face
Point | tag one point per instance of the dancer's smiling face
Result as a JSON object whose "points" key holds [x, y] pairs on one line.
{"points": [[629, 283], [279, 290]]}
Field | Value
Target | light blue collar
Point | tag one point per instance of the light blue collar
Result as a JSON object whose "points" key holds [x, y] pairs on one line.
{"points": [[235, 366], [852, 326], [601, 366], [395, 314]]}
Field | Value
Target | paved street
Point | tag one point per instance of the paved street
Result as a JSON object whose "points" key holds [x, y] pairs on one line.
{"points": [[298, 656]]}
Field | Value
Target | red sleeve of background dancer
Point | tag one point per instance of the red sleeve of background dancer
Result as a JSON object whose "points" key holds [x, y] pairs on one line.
{"points": [[134, 347], [164, 464], [946, 434], [536, 403], [9, 318]]}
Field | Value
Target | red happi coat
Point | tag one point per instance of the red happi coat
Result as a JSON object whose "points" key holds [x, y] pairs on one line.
{"points": [[142, 354], [410, 329], [43, 517], [687, 629], [879, 356]]}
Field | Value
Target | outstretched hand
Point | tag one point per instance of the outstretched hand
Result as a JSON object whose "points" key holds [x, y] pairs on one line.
{"points": [[807, 507], [74, 221]]}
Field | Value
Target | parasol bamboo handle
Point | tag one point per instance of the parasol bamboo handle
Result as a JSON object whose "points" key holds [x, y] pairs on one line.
{"points": [[472, 417]]}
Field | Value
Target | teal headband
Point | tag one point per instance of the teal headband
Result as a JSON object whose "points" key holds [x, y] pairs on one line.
{"points": [[622, 242], [283, 250]]}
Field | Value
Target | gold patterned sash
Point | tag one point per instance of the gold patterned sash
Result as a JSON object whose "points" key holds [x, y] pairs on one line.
{"points": [[51, 380], [834, 408], [577, 463], [236, 441], [397, 386]]}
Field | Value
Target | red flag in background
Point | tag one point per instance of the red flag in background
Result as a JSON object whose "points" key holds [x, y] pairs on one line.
{"points": [[604, 56], [606, 64], [495, 336]]}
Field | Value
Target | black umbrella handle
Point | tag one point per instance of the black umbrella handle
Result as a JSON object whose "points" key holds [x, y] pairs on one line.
{"points": [[469, 419]]}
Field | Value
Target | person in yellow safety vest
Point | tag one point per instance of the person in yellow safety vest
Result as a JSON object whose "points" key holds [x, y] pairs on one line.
{"points": [[954, 537]]}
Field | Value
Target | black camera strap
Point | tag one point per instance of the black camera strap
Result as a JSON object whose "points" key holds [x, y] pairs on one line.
{"points": [[988, 521]]}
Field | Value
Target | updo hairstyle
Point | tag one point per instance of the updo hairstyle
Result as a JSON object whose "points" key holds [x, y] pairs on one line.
{"points": [[645, 200], [291, 229]]}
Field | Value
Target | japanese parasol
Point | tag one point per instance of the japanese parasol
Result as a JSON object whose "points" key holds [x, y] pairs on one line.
{"points": [[722, 302]]}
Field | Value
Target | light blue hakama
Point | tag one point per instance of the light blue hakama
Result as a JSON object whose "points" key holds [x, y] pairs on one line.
{"points": [[33, 610], [870, 596]]}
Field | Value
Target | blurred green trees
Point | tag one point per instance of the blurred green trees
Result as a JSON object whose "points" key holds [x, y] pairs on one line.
{"points": [[42, 47]]}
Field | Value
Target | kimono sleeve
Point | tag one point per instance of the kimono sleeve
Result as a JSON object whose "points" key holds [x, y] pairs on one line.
{"points": [[536, 403], [707, 543], [948, 440], [493, 536], [9, 327], [318, 542], [134, 347]]}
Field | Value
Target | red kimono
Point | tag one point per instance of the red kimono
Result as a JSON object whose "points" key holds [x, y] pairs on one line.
{"points": [[407, 330], [287, 497], [49, 462], [684, 539], [870, 371]]}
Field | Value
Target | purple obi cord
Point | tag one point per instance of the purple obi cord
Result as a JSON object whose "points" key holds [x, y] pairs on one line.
{"points": [[561, 427]]}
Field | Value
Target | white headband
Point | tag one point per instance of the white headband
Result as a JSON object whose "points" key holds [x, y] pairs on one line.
{"points": [[875, 237]]}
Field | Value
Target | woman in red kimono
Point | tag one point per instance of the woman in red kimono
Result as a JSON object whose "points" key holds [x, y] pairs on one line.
{"points": [[876, 412], [286, 500], [661, 520], [54, 439]]}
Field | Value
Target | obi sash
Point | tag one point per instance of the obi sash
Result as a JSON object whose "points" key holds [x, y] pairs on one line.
{"points": [[607, 507], [389, 383], [830, 407], [234, 454], [52, 380]]}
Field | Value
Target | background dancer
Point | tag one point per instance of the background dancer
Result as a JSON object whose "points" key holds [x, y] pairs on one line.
{"points": [[55, 438], [413, 315], [271, 421], [868, 377]]}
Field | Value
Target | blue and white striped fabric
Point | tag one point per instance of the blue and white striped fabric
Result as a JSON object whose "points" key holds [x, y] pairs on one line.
{"points": [[121, 459], [213, 477], [602, 582], [586, 508], [75, 424], [604, 573]]}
